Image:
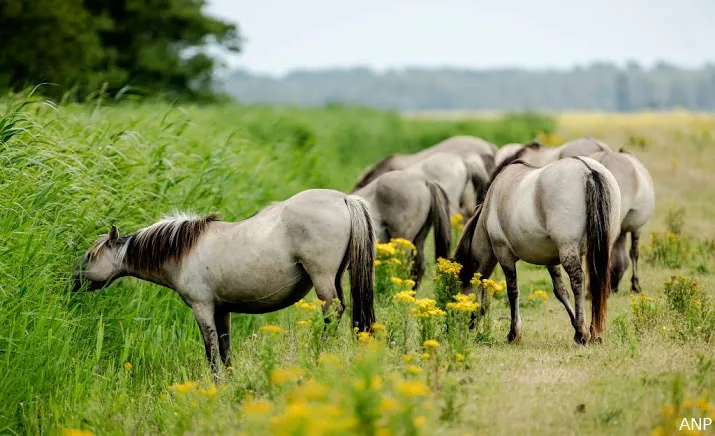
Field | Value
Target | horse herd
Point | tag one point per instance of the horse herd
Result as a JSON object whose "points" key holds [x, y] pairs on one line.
{"points": [[543, 205]]}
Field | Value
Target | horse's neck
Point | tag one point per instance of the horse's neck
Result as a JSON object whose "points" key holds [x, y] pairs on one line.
{"points": [[165, 276]]}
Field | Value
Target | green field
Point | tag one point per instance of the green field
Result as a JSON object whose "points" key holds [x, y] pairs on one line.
{"points": [[124, 360]]}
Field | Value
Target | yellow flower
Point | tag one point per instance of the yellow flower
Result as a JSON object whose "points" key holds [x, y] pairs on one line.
{"points": [[410, 283], [128, 366], [404, 297], [426, 307], [460, 357], [431, 344], [273, 329], [538, 295], [257, 407], [396, 281], [304, 322], [464, 303], [378, 328], [412, 369], [304, 305], [476, 279], [456, 220], [77, 432], [282, 376], [376, 382], [687, 404], [426, 356], [387, 405], [364, 337], [378, 262], [413, 389], [395, 260], [209, 392], [386, 250], [448, 267], [182, 388], [407, 358], [492, 287], [703, 405], [311, 390], [403, 243], [668, 410], [419, 421]]}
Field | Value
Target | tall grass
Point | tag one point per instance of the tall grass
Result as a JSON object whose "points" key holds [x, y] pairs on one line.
{"points": [[68, 173]]}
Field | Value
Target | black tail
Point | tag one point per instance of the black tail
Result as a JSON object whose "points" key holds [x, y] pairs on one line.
{"points": [[598, 245], [480, 187], [439, 216], [463, 253], [361, 252]]}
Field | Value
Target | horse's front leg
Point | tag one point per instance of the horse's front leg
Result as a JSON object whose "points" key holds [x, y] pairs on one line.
{"points": [[204, 314], [222, 318], [513, 293]]}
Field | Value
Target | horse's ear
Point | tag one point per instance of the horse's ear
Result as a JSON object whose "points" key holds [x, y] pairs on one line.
{"points": [[113, 233]]}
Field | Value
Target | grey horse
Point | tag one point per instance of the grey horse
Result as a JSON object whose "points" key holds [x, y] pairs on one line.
{"points": [[637, 206], [262, 264], [407, 205], [547, 216]]}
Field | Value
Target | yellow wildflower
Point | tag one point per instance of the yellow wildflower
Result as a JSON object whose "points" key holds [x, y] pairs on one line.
{"points": [[413, 388], [431, 344], [387, 405], [687, 404], [456, 220], [703, 405], [304, 322], [378, 262], [407, 358], [364, 337], [404, 297], [538, 295], [209, 392], [460, 357], [282, 376], [448, 267], [378, 328], [403, 243], [426, 356], [128, 366], [412, 369], [77, 432], [419, 421], [476, 279], [304, 305], [464, 303], [396, 261], [668, 410], [426, 307], [311, 390], [396, 281], [410, 283], [386, 250], [492, 287], [257, 407], [182, 388], [376, 382], [273, 329]]}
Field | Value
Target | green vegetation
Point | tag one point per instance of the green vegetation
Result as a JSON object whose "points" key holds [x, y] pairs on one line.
{"points": [[86, 46], [68, 173]]}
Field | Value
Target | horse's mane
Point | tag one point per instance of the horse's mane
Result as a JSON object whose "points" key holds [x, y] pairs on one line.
{"points": [[169, 239], [516, 157], [624, 151], [371, 173]]}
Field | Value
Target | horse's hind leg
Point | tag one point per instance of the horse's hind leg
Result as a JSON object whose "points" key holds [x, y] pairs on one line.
{"points": [[571, 261], [635, 283], [222, 318], [619, 261], [326, 288], [560, 291], [204, 314]]}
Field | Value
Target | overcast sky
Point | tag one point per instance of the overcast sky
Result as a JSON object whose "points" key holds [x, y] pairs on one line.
{"points": [[282, 35]]}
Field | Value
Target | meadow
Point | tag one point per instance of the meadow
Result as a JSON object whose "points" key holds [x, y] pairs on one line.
{"points": [[129, 359]]}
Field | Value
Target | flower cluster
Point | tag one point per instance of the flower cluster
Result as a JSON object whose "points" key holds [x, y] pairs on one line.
{"points": [[448, 267], [457, 221], [393, 268], [538, 296], [463, 303], [426, 307]]}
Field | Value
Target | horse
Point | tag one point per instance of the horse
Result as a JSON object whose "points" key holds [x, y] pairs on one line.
{"points": [[538, 155], [547, 216], [261, 264], [471, 149], [637, 206], [453, 174], [506, 151], [406, 205]]}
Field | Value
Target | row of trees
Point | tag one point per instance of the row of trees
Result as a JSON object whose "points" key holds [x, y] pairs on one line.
{"points": [[87, 45], [600, 86]]}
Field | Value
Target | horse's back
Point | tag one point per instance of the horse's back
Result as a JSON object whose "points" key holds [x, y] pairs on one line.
{"points": [[446, 169], [582, 147]]}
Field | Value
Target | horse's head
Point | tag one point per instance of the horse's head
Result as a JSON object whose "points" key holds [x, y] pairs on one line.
{"points": [[101, 264]]}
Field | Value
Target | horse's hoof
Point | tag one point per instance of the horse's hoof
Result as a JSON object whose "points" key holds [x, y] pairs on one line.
{"points": [[513, 337], [581, 338]]}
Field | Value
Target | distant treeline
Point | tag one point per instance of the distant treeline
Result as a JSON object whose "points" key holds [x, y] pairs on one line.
{"points": [[600, 86]]}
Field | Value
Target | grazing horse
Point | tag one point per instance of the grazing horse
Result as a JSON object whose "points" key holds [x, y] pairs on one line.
{"points": [[407, 205], [543, 216], [506, 151], [262, 264], [469, 148], [637, 205], [538, 155]]}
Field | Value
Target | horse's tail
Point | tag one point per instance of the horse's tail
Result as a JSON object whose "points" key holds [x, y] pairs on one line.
{"points": [[361, 252], [598, 245], [480, 186], [463, 253], [439, 216]]}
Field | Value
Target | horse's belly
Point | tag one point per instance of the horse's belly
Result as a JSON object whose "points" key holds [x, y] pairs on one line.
{"points": [[537, 250]]}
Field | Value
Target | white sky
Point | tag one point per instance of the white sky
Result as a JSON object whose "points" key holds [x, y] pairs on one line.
{"points": [[282, 35]]}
